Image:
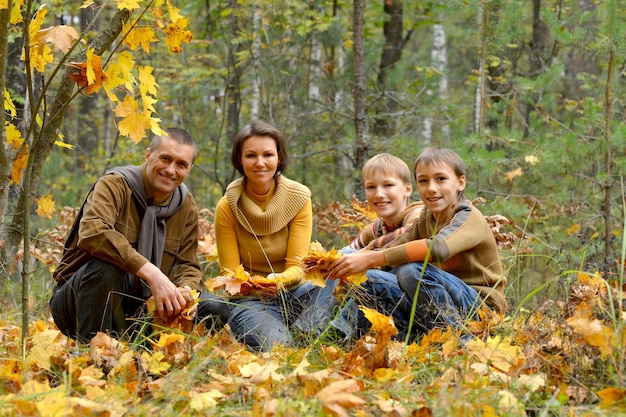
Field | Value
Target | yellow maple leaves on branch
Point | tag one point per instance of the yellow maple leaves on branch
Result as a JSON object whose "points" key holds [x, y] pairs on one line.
{"points": [[132, 88]]}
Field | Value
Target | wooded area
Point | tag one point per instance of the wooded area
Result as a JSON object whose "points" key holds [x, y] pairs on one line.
{"points": [[530, 93]]}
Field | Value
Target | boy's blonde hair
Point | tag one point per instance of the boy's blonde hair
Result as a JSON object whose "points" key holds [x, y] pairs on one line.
{"points": [[387, 164]]}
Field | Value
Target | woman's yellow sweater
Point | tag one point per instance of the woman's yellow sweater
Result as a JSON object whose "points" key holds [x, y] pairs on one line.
{"points": [[266, 234]]}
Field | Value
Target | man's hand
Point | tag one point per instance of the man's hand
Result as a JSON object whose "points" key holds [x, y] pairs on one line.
{"points": [[169, 301]]}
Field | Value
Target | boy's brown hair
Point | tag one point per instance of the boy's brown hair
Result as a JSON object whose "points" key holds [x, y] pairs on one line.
{"points": [[435, 155]]}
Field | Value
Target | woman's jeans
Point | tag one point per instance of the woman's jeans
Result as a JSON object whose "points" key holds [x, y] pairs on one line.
{"points": [[261, 323], [439, 299]]}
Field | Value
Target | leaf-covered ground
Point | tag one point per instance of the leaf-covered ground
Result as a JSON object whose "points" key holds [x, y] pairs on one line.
{"points": [[566, 358]]}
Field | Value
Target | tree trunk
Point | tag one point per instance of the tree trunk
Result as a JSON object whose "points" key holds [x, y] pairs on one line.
{"points": [[6, 154], [360, 115], [392, 52], [255, 104], [439, 61]]}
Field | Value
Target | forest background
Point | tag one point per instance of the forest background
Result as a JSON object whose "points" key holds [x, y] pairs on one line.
{"points": [[529, 93]]}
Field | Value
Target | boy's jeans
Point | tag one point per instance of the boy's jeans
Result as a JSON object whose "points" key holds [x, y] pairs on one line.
{"points": [[441, 299]]}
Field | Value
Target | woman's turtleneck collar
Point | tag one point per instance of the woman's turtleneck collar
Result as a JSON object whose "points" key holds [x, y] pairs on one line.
{"points": [[261, 199]]}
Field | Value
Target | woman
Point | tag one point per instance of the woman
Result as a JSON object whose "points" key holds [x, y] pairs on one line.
{"points": [[264, 222]]}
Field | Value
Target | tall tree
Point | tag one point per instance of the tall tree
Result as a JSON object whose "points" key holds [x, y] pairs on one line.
{"points": [[391, 55], [361, 146]]}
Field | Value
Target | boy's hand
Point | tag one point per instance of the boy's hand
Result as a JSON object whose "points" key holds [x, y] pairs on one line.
{"points": [[354, 263]]}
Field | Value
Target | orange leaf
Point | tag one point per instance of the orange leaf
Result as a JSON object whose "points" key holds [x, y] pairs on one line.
{"points": [[19, 165], [90, 73], [62, 37], [509, 176], [612, 397]]}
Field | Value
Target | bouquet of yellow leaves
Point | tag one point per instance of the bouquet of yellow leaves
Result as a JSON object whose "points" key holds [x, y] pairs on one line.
{"points": [[184, 320], [241, 283], [317, 266]]}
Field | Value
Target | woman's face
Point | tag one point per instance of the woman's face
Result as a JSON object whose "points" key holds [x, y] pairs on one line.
{"points": [[259, 158]]}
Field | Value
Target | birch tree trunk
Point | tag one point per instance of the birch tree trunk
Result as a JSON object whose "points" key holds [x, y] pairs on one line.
{"points": [[255, 104], [439, 61], [315, 72]]}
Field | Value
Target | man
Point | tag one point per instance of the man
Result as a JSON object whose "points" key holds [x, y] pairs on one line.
{"points": [[136, 235]]}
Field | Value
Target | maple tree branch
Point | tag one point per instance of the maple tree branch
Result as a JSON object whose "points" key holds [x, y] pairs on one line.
{"points": [[50, 129]]}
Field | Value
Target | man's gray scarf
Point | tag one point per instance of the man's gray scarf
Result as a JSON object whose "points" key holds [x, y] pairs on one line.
{"points": [[151, 242]]}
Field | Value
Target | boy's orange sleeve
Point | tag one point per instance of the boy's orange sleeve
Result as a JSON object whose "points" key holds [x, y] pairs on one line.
{"points": [[413, 251]]}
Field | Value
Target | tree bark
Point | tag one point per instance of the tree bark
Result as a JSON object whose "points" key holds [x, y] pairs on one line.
{"points": [[391, 55], [360, 114], [6, 154]]}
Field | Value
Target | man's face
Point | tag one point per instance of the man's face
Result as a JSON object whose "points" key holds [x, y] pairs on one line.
{"points": [[168, 166]]}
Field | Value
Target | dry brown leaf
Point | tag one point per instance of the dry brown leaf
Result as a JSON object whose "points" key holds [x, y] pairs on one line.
{"points": [[338, 398]]}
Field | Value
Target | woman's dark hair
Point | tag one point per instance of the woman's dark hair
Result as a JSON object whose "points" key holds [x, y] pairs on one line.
{"points": [[262, 129]]}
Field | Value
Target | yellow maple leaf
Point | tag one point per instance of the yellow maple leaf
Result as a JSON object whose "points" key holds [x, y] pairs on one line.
{"points": [[317, 263], [382, 325], [173, 11], [133, 123], [177, 35], [593, 331], [9, 106], [119, 72], [166, 339], [200, 401], [612, 397], [37, 21], [156, 362], [128, 4], [260, 373], [147, 82], [497, 352], [41, 56], [45, 345], [239, 282], [45, 206], [16, 12], [40, 53], [138, 37], [14, 137], [337, 398]]}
